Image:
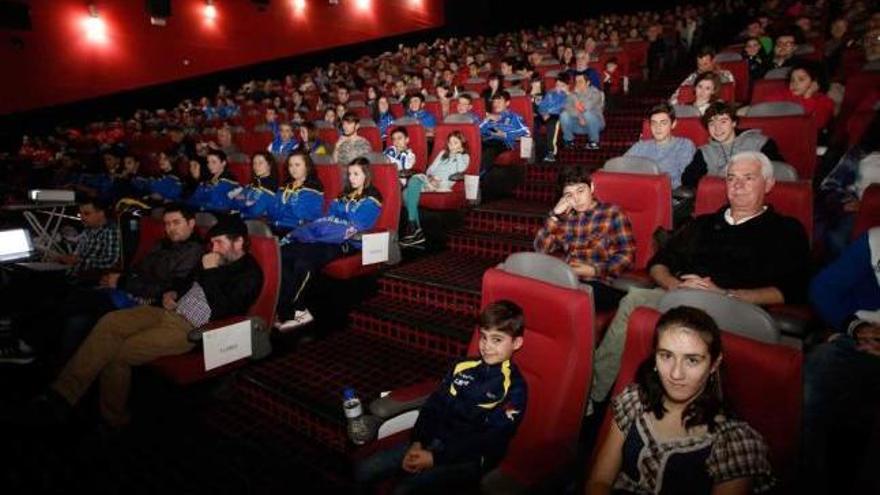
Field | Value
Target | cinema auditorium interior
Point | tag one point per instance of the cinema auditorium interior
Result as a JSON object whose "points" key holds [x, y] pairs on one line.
{"points": [[440, 246]]}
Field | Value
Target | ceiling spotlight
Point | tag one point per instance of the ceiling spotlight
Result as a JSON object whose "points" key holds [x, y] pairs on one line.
{"points": [[96, 29], [210, 10]]}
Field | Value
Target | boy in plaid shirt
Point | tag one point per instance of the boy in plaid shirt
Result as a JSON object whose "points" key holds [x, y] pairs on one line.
{"points": [[596, 238]]}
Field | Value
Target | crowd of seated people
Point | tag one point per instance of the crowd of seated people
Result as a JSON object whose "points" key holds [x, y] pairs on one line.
{"points": [[746, 250]]}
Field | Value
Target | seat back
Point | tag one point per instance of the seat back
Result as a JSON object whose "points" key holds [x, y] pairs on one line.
{"points": [[740, 70], [369, 131], [556, 362], [150, 232], [264, 248], [869, 211], [521, 104], [764, 89], [738, 316], [243, 172], [686, 127], [645, 199], [327, 132], [385, 180], [774, 109], [780, 73], [686, 111], [330, 176], [686, 94], [752, 371], [795, 136], [794, 199], [784, 172], [543, 267], [418, 139], [632, 165]]}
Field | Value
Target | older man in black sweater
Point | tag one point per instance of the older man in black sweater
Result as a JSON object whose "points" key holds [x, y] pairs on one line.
{"points": [[745, 250], [227, 283]]}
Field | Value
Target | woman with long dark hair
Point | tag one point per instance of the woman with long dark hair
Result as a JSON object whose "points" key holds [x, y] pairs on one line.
{"points": [[671, 431], [310, 247], [302, 197]]}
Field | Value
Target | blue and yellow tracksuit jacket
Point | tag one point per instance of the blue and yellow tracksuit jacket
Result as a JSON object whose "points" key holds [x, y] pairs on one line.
{"points": [[296, 206], [512, 124], [424, 117], [257, 198], [553, 103], [168, 186], [213, 195], [474, 413]]}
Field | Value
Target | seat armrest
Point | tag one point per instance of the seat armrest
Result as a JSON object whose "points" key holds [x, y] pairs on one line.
{"points": [[626, 282], [261, 346], [402, 400]]}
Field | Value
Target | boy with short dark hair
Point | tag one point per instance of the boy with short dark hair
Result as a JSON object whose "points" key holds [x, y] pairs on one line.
{"points": [[464, 427]]}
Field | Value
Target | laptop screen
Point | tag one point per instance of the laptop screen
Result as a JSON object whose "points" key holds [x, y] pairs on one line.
{"points": [[15, 245]]}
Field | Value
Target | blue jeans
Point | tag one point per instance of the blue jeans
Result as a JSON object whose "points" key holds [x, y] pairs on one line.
{"points": [[439, 479], [839, 384], [571, 126]]}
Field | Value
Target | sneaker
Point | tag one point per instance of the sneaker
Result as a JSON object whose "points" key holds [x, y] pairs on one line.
{"points": [[592, 146], [416, 232], [550, 158], [417, 239], [16, 352], [300, 318]]}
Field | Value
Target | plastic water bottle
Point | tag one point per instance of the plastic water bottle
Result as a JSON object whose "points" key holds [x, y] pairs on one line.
{"points": [[358, 430]]}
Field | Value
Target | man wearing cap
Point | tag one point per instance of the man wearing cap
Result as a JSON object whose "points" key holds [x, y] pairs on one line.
{"points": [[226, 284]]}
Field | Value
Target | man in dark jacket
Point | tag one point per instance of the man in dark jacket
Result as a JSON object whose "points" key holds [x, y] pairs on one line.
{"points": [[227, 283], [173, 259]]}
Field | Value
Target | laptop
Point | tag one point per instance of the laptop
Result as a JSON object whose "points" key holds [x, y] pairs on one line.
{"points": [[15, 245]]}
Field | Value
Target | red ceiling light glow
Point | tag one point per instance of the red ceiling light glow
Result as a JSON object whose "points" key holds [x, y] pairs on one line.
{"points": [[210, 10], [299, 5], [94, 26], [363, 4]]}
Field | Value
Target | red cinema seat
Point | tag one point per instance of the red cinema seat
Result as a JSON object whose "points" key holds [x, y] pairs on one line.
{"points": [[752, 372], [242, 172], [432, 106], [252, 142], [647, 202], [455, 199], [869, 211], [370, 132], [330, 176], [418, 141], [686, 127], [556, 362], [795, 135], [794, 199], [385, 180], [740, 71], [327, 133], [475, 84], [479, 104], [521, 105], [858, 86], [764, 89], [396, 109], [151, 232], [189, 368]]}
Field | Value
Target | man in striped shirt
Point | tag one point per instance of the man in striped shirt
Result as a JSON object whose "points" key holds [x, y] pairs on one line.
{"points": [[596, 238]]}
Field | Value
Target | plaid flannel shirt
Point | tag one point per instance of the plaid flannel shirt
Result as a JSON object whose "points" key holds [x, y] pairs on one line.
{"points": [[601, 237], [98, 249]]}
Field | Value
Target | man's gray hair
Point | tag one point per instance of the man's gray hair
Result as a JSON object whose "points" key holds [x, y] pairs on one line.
{"points": [[754, 156]]}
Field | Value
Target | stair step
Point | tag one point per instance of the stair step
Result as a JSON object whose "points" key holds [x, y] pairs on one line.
{"points": [[539, 191], [440, 298], [488, 244], [510, 216], [303, 389], [448, 271], [421, 328]]}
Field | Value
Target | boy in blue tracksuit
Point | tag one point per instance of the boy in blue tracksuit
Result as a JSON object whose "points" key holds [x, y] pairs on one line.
{"points": [[551, 107], [416, 110], [400, 154], [500, 130], [212, 194], [465, 426], [284, 141]]}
